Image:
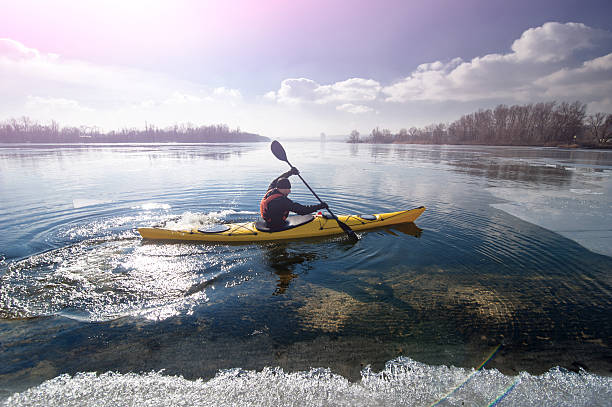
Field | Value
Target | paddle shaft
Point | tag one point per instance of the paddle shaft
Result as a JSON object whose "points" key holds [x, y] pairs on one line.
{"points": [[342, 225], [314, 193], [279, 152]]}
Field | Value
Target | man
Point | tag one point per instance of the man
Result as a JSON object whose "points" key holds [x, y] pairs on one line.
{"points": [[275, 206]]}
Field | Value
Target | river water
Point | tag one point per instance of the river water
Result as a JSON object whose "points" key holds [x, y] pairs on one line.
{"points": [[498, 294]]}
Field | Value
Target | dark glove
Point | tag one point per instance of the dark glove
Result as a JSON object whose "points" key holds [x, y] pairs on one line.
{"points": [[294, 171]]}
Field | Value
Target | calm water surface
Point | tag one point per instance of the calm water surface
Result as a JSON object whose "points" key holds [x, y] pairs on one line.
{"points": [[509, 265]]}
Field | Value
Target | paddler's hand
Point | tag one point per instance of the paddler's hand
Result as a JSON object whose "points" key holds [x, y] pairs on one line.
{"points": [[295, 171], [323, 205]]}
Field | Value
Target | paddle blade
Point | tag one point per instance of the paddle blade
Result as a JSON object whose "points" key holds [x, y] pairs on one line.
{"points": [[351, 234], [278, 151]]}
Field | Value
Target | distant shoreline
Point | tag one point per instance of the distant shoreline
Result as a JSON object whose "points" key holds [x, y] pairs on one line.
{"points": [[25, 130], [107, 140], [547, 145], [126, 143], [101, 143], [565, 146], [549, 124]]}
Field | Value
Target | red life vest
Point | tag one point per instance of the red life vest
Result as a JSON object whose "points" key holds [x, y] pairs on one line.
{"points": [[263, 206]]}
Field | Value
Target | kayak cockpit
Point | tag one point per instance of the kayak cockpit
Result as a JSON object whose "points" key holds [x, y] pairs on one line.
{"points": [[215, 229], [290, 223]]}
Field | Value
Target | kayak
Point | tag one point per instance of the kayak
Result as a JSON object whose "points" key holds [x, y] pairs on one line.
{"points": [[296, 227]]}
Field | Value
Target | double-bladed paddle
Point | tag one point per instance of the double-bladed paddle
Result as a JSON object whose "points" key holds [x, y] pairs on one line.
{"points": [[279, 152]]}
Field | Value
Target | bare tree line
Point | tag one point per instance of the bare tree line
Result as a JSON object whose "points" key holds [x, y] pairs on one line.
{"points": [[541, 124], [25, 130]]}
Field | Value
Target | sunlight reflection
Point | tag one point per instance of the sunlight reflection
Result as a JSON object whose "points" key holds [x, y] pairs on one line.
{"points": [[102, 280]]}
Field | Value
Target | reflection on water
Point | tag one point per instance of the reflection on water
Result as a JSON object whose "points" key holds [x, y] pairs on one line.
{"points": [[410, 229], [287, 264], [80, 291], [67, 153], [531, 165], [517, 172]]}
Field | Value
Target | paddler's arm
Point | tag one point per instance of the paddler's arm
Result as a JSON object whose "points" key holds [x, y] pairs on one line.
{"points": [[305, 209], [292, 171]]}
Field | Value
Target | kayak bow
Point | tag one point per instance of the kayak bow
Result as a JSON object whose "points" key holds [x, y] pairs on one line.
{"points": [[299, 227]]}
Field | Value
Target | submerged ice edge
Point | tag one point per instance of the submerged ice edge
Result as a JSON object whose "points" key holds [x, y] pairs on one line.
{"points": [[402, 382], [586, 220]]}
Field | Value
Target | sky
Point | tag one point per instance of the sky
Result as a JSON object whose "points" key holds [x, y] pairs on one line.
{"points": [[296, 69]]}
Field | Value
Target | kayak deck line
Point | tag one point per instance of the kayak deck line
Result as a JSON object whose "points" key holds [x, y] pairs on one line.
{"points": [[241, 226], [299, 227]]}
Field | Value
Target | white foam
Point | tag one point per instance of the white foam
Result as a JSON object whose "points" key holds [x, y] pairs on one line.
{"points": [[404, 382], [191, 220]]}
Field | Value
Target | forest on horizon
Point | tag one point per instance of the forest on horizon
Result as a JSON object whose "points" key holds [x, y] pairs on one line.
{"points": [[25, 130], [539, 124]]}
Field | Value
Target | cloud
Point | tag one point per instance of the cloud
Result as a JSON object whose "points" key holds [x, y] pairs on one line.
{"points": [[350, 90], [590, 82], [179, 99], [226, 93], [31, 73], [532, 71], [354, 109], [14, 50], [555, 61], [603, 105], [303, 90], [293, 91], [545, 62], [556, 42], [48, 86], [55, 104]]}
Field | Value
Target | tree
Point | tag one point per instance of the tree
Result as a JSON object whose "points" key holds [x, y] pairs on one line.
{"points": [[439, 133], [402, 136], [544, 123], [570, 118], [354, 137], [25, 130], [413, 132], [607, 136], [596, 127], [500, 118]]}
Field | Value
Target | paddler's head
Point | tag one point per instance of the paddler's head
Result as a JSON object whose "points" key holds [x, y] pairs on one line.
{"points": [[284, 186]]}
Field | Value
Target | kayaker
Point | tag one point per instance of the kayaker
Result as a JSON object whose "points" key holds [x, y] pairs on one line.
{"points": [[275, 206]]}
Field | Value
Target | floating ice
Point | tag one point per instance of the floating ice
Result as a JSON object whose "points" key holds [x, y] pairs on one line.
{"points": [[580, 214], [403, 382], [584, 192]]}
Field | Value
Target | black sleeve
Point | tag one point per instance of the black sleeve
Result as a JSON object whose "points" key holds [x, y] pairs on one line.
{"points": [[284, 175], [303, 210]]}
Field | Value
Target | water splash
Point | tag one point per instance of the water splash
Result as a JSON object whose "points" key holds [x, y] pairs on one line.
{"points": [[195, 220], [103, 279]]}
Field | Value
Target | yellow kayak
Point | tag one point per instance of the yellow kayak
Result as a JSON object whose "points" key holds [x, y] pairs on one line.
{"points": [[297, 227]]}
